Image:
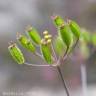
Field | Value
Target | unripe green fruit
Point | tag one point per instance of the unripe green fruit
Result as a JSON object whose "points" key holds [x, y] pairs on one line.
{"points": [[16, 54], [34, 35], [75, 28], [66, 35], [26, 43], [46, 52], [58, 21]]}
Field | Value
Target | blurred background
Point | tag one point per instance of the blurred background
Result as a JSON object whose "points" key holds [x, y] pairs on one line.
{"points": [[24, 80]]}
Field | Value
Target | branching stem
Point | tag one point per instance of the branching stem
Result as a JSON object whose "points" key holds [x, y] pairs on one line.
{"points": [[38, 55]]}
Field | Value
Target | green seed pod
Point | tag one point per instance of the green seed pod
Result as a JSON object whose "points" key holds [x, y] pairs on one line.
{"points": [[66, 35], [93, 39], [33, 33], [26, 43], [58, 21], [74, 28], [86, 35], [46, 52], [84, 50], [16, 53], [59, 46]]}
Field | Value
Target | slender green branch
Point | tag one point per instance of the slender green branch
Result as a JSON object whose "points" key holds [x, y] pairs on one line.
{"points": [[39, 65], [74, 45], [36, 65], [63, 81], [54, 53], [65, 54], [38, 55], [72, 49]]}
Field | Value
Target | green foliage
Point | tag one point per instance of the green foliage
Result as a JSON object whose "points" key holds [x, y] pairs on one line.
{"points": [[16, 53]]}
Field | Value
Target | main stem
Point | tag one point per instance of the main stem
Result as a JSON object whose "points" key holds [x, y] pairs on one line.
{"points": [[63, 81]]}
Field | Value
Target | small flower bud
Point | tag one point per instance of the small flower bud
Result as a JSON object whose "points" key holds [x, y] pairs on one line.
{"points": [[46, 37], [50, 36], [43, 42], [49, 41], [45, 32]]}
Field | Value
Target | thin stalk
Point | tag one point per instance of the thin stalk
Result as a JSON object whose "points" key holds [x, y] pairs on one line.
{"points": [[74, 45], [63, 81], [84, 79], [38, 55], [72, 49], [54, 53], [38, 65], [65, 54]]}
